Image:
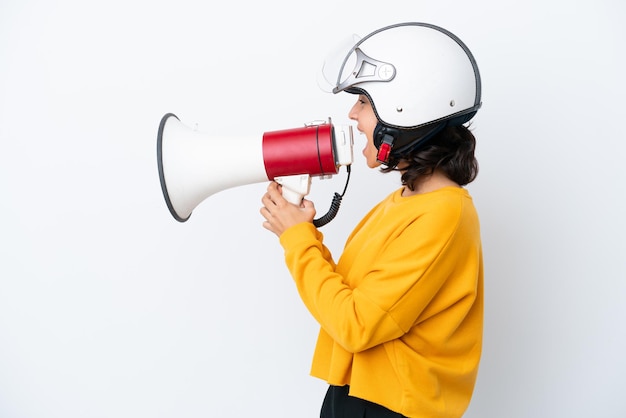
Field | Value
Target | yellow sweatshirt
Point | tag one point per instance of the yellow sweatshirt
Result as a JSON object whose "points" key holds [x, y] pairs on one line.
{"points": [[401, 312]]}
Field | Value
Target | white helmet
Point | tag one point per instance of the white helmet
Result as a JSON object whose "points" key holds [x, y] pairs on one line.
{"points": [[419, 77]]}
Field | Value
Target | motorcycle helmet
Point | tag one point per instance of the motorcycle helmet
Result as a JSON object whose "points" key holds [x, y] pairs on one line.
{"points": [[419, 78]]}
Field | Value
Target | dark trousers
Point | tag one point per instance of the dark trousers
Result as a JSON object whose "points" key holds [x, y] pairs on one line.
{"points": [[337, 404]]}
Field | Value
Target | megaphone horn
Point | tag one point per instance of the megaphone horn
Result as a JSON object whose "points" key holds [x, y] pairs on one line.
{"points": [[193, 165]]}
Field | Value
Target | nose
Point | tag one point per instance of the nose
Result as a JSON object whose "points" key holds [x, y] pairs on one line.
{"points": [[353, 112]]}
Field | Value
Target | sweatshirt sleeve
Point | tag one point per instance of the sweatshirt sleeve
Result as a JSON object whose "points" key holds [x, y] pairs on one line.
{"points": [[398, 282]]}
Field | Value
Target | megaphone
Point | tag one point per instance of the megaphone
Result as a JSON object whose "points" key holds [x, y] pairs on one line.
{"points": [[193, 165]]}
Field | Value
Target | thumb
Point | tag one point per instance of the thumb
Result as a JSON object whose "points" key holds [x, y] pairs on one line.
{"points": [[308, 207]]}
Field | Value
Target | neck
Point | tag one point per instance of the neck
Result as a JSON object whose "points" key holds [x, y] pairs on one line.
{"points": [[437, 180]]}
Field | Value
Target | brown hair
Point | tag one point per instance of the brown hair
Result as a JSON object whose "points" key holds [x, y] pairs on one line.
{"points": [[451, 151]]}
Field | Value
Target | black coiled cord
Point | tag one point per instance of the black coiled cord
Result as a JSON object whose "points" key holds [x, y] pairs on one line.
{"points": [[334, 205]]}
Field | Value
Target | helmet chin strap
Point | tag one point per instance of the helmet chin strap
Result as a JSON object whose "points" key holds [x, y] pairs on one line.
{"points": [[390, 140], [384, 150]]}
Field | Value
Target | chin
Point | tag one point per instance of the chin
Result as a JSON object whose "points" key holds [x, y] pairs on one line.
{"points": [[373, 164]]}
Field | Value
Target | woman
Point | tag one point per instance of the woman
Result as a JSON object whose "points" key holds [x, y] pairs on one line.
{"points": [[401, 311]]}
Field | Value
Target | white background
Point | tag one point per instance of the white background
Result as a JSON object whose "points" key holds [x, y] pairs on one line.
{"points": [[111, 308]]}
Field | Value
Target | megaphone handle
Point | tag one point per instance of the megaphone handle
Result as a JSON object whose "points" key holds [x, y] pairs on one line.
{"points": [[295, 187]]}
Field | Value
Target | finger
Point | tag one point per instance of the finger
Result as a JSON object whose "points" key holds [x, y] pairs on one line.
{"points": [[275, 193], [268, 226], [272, 188], [266, 213], [267, 200]]}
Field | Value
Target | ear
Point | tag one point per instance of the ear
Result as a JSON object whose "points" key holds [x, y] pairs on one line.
{"points": [[382, 132]]}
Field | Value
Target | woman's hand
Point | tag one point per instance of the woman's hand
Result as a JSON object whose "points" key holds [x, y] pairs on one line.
{"points": [[279, 214]]}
